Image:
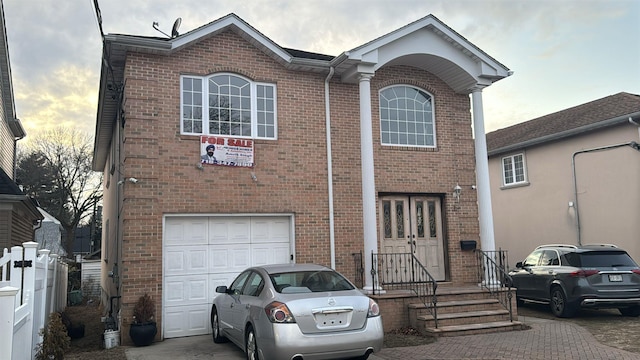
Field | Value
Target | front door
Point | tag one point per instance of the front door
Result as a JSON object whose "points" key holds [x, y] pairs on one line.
{"points": [[414, 224]]}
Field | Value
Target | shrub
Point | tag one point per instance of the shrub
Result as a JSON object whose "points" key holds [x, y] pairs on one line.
{"points": [[55, 339], [144, 310]]}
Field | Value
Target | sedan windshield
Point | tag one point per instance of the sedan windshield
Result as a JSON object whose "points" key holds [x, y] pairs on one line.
{"points": [[309, 281]]}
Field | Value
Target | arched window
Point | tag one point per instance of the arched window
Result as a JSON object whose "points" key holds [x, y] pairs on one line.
{"points": [[406, 117], [227, 104]]}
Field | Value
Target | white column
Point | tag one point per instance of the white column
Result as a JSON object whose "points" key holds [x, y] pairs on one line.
{"points": [[482, 174], [368, 182]]}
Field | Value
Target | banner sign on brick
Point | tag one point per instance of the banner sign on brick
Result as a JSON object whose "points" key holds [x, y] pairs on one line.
{"points": [[226, 151]]}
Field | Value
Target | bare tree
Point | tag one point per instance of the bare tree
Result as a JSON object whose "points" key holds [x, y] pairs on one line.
{"points": [[55, 168]]}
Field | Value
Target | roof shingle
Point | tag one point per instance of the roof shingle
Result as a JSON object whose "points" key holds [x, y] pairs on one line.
{"points": [[564, 121]]}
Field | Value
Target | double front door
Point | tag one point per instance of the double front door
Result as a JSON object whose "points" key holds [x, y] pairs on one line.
{"points": [[413, 224]]}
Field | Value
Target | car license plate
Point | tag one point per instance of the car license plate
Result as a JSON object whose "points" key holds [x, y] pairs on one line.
{"points": [[615, 278], [331, 320]]}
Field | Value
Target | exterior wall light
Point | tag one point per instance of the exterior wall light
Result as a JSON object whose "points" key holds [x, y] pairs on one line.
{"points": [[456, 192]]}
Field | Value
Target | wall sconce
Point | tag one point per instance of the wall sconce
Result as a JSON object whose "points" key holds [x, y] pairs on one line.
{"points": [[133, 180], [456, 192], [254, 177]]}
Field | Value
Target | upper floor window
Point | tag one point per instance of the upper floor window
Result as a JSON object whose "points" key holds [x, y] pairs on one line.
{"points": [[406, 117], [227, 104], [513, 169]]}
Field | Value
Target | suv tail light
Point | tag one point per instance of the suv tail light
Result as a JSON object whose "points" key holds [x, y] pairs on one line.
{"points": [[278, 312], [636, 271], [584, 273]]}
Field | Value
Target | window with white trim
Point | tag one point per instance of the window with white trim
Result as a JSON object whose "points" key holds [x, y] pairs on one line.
{"points": [[513, 170], [228, 104], [406, 117]]}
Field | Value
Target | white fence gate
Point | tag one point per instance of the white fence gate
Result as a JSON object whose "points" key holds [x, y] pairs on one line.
{"points": [[31, 287]]}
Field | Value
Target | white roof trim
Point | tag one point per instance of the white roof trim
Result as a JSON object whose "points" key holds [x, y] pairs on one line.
{"points": [[223, 23]]}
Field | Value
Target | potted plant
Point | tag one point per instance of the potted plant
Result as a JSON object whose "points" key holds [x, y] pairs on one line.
{"points": [[143, 327]]}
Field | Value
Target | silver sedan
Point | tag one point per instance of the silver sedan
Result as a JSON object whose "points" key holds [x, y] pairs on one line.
{"points": [[296, 311]]}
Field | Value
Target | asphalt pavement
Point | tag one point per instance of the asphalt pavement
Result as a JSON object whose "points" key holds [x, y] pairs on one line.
{"points": [[547, 339]]}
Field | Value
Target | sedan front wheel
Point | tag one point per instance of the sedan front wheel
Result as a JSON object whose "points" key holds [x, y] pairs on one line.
{"points": [[215, 324]]}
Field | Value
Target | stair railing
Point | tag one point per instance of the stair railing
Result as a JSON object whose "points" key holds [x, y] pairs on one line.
{"points": [[493, 275], [403, 271]]}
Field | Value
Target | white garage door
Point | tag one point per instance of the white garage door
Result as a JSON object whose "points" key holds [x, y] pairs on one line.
{"points": [[201, 253]]}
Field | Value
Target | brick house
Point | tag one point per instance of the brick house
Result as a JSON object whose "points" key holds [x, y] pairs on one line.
{"points": [[323, 159], [18, 212]]}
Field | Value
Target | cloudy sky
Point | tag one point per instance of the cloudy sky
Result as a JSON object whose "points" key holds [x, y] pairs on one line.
{"points": [[563, 52]]}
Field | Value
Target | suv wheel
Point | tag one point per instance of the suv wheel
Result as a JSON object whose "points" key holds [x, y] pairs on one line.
{"points": [[633, 311], [559, 305]]}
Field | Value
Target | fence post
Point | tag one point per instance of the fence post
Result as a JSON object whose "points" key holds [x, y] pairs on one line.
{"points": [[16, 272], [7, 317], [45, 296]]}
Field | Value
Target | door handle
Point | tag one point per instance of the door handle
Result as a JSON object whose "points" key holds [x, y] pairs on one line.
{"points": [[231, 305]]}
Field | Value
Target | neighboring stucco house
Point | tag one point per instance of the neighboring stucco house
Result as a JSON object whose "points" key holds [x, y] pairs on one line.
{"points": [[18, 212], [314, 158], [569, 177]]}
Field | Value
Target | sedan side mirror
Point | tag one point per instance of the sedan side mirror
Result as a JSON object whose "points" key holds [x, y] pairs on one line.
{"points": [[519, 265], [221, 289]]}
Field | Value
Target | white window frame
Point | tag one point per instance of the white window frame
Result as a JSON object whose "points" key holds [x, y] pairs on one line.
{"points": [[205, 106], [513, 170], [433, 118]]}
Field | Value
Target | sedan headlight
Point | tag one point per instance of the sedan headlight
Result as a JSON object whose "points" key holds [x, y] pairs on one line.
{"points": [[278, 312]]}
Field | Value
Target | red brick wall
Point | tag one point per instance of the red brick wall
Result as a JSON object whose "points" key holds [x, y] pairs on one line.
{"points": [[291, 172]]}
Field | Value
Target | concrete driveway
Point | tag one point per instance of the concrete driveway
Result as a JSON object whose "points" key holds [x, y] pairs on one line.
{"points": [[547, 339], [190, 348]]}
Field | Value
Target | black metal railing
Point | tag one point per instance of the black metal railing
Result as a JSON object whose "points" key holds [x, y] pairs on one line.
{"points": [[493, 275], [403, 271], [358, 269]]}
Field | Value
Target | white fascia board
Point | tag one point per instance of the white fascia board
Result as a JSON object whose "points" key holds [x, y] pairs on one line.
{"points": [[229, 21], [453, 39]]}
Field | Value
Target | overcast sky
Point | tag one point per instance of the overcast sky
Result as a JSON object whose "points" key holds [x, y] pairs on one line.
{"points": [[563, 52]]}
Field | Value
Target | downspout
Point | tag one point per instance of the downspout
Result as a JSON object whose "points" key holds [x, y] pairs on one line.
{"points": [[636, 124], [327, 107], [632, 144]]}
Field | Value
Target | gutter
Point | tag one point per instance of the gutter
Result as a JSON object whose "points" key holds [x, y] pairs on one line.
{"points": [[566, 133], [327, 107]]}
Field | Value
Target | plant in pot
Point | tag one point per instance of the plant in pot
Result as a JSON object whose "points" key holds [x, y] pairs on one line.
{"points": [[143, 327]]}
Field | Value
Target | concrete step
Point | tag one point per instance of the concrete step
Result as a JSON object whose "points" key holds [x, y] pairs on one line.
{"points": [[473, 329], [462, 318], [456, 306]]}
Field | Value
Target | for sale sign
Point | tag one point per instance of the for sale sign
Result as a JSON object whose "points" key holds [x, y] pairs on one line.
{"points": [[226, 151]]}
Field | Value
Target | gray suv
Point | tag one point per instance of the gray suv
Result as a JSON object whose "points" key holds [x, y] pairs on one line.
{"points": [[570, 277]]}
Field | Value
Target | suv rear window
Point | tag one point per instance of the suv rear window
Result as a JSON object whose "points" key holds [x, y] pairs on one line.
{"points": [[600, 259]]}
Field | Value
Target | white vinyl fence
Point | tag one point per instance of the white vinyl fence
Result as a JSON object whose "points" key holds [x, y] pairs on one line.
{"points": [[32, 286]]}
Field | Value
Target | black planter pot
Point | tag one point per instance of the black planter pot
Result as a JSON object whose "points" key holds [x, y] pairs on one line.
{"points": [[143, 334]]}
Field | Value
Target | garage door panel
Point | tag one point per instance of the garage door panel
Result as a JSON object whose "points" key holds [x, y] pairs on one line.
{"points": [[264, 254], [183, 260], [216, 280], [186, 231], [186, 290], [229, 230], [268, 230], [187, 321], [225, 258]]}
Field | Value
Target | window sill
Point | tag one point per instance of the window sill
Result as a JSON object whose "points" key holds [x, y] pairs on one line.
{"points": [[511, 186]]}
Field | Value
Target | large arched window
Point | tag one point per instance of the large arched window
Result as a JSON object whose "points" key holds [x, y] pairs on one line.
{"points": [[406, 117], [227, 104]]}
